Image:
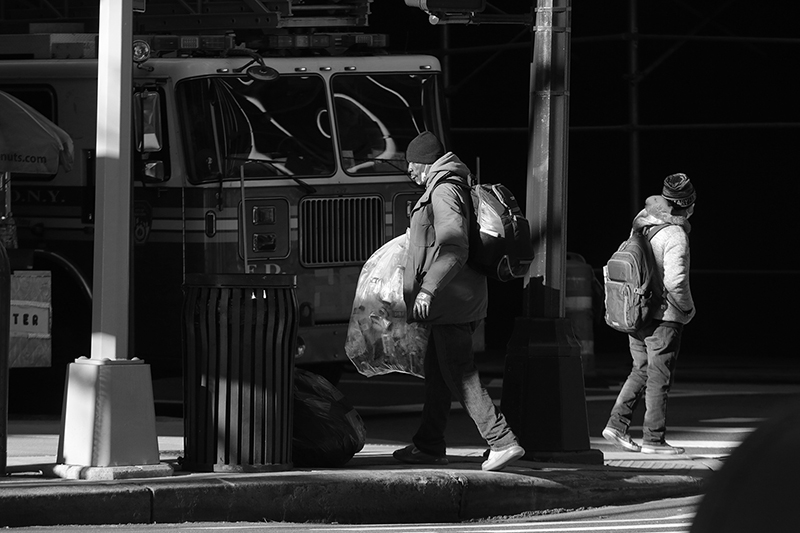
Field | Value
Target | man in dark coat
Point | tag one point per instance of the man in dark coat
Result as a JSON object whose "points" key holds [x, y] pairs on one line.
{"points": [[440, 289]]}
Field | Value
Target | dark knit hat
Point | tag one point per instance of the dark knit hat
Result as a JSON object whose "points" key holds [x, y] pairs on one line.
{"points": [[679, 190], [425, 148]]}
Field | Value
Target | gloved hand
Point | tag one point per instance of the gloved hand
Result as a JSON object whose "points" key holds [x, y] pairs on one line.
{"points": [[422, 306]]}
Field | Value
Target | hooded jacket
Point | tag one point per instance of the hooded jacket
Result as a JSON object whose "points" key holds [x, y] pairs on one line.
{"points": [[671, 251], [439, 247]]}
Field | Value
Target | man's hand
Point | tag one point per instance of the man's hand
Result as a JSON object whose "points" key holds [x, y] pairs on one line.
{"points": [[422, 306]]}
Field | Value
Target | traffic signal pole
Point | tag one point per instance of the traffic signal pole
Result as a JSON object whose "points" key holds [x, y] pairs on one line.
{"points": [[543, 392]]}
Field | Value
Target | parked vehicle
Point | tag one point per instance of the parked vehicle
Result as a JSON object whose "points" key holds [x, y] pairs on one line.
{"points": [[283, 154]]}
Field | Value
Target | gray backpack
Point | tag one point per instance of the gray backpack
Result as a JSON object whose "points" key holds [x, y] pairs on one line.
{"points": [[633, 287]]}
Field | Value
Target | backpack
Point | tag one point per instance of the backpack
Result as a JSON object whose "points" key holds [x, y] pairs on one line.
{"points": [[633, 286], [500, 244]]}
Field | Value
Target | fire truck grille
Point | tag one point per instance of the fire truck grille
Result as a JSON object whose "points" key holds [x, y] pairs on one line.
{"points": [[340, 231]]}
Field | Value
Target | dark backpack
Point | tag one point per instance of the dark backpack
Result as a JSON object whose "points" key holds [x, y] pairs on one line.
{"points": [[633, 286], [500, 244]]}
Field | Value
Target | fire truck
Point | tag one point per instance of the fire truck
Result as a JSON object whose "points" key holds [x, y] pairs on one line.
{"points": [[270, 142]]}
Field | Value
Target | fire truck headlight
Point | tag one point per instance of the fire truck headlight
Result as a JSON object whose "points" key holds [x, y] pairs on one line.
{"points": [[141, 51]]}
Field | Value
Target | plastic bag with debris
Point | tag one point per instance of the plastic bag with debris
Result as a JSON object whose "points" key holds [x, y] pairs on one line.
{"points": [[379, 340]]}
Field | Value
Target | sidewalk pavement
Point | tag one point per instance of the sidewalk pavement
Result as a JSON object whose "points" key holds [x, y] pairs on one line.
{"points": [[371, 488]]}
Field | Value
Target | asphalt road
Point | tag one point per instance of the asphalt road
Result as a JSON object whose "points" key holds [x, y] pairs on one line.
{"points": [[670, 515]]}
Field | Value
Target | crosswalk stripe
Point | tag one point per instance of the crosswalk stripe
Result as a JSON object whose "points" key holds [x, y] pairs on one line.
{"points": [[686, 443]]}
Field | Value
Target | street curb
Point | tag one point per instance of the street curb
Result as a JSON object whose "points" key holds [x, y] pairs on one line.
{"points": [[74, 504], [372, 497], [351, 496]]}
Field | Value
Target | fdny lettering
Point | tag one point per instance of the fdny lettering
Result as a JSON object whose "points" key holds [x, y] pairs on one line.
{"points": [[37, 195], [268, 268]]}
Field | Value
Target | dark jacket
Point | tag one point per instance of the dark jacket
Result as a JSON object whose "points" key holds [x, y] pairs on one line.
{"points": [[671, 251], [438, 249]]}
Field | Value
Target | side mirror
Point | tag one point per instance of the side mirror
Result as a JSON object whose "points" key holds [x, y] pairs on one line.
{"points": [[153, 172], [150, 141], [147, 121]]}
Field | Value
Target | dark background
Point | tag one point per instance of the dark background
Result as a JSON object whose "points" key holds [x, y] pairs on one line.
{"points": [[735, 124], [718, 100]]}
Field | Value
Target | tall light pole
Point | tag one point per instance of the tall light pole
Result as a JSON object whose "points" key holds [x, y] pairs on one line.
{"points": [[543, 392], [109, 416]]}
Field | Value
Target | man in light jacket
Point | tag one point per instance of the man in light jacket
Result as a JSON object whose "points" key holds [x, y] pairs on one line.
{"points": [[441, 290], [655, 348]]}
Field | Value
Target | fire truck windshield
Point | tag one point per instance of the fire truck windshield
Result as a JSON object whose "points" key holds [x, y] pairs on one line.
{"points": [[282, 127], [270, 128], [377, 115]]}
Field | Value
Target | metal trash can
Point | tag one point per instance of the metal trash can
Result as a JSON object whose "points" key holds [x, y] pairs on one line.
{"points": [[239, 340]]}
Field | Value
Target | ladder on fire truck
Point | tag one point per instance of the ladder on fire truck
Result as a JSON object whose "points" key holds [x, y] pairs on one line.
{"points": [[179, 16]]}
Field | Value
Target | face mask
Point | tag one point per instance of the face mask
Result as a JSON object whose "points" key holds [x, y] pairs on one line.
{"points": [[417, 174]]}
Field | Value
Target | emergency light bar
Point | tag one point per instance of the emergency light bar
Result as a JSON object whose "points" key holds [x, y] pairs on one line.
{"points": [[219, 44], [327, 40], [171, 43]]}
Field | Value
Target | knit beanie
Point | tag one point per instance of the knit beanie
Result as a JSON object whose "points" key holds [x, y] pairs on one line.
{"points": [[425, 148], [679, 190]]}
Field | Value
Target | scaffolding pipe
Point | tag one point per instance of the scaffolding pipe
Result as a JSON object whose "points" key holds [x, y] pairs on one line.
{"points": [[624, 128], [633, 107]]}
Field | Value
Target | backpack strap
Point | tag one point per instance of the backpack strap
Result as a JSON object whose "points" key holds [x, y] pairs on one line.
{"points": [[453, 181], [651, 231], [470, 203], [448, 179]]}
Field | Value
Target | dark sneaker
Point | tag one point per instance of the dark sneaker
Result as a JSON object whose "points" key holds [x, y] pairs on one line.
{"points": [[661, 448], [498, 460], [620, 439], [414, 456]]}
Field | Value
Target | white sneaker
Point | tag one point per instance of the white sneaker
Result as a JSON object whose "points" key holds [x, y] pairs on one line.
{"points": [[661, 448], [621, 440], [500, 459]]}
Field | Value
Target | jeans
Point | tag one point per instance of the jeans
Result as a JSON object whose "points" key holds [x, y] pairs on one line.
{"points": [[450, 372], [654, 351]]}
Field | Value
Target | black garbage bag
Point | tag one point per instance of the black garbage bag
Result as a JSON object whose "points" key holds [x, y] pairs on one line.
{"points": [[327, 429]]}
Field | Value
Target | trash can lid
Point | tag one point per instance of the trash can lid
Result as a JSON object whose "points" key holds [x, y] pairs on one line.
{"points": [[261, 281]]}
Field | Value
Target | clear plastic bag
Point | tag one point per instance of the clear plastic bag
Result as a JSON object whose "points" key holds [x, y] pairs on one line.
{"points": [[379, 340]]}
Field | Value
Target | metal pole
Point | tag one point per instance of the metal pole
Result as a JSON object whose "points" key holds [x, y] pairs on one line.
{"points": [[546, 204], [108, 418], [543, 378], [245, 244], [112, 239], [633, 105], [446, 61], [5, 334]]}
